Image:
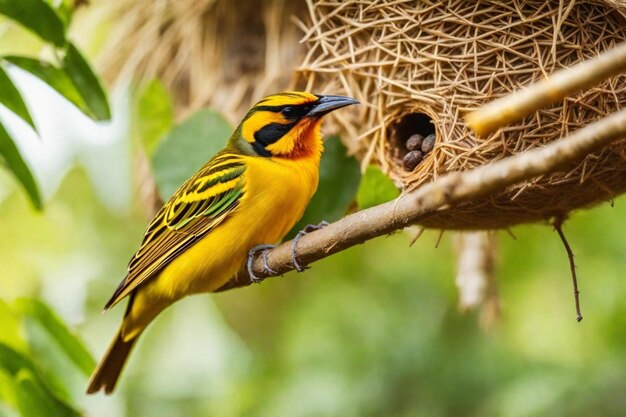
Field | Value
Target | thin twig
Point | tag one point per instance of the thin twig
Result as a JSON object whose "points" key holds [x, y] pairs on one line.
{"points": [[441, 194], [419, 233], [510, 232], [561, 84], [558, 226], [439, 238]]}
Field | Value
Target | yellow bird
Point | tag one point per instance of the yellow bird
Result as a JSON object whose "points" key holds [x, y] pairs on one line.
{"points": [[250, 193]]}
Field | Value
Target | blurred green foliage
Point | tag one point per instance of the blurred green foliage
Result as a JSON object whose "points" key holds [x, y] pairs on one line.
{"points": [[12, 99], [37, 16], [12, 159], [31, 381], [186, 148], [375, 188], [69, 74], [154, 115]]}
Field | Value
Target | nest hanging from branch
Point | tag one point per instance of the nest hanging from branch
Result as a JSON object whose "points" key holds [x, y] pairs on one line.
{"points": [[418, 67], [206, 52]]}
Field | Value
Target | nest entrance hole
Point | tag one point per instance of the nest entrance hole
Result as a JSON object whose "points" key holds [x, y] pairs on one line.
{"points": [[412, 123], [412, 137]]}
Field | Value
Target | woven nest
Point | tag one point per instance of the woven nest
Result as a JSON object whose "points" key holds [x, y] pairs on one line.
{"points": [[206, 52], [419, 66]]}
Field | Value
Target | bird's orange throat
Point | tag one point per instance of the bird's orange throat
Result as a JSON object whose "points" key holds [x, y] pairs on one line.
{"points": [[302, 142]]}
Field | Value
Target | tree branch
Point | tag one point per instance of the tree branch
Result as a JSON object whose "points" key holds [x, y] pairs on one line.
{"points": [[561, 84], [441, 194]]}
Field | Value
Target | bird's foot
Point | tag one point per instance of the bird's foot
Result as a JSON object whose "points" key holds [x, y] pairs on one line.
{"points": [[294, 246], [252, 253]]}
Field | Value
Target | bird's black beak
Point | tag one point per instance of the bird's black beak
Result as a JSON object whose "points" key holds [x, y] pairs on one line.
{"points": [[326, 104]]}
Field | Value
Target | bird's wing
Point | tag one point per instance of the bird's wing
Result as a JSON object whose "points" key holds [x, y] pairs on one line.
{"points": [[198, 206]]}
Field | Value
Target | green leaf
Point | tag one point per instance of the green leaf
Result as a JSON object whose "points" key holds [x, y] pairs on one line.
{"points": [[15, 162], [31, 398], [12, 99], [7, 391], [53, 76], [38, 17], [8, 396], [10, 333], [73, 347], [154, 115], [339, 180], [375, 188], [77, 83], [64, 9], [86, 83], [187, 148], [13, 362], [34, 400]]}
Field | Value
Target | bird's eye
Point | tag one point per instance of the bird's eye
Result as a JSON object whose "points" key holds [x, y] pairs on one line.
{"points": [[288, 112]]}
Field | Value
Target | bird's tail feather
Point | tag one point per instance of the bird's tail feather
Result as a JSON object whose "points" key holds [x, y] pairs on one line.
{"points": [[110, 367]]}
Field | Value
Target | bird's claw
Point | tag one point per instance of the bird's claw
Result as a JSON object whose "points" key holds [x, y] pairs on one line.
{"points": [[252, 253], [294, 246]]}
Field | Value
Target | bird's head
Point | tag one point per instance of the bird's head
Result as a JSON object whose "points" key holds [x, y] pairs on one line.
{"points": [[286, 125]]}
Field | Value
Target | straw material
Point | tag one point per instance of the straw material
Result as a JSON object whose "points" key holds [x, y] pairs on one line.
{"points": [[446, 58], [216, 53]]}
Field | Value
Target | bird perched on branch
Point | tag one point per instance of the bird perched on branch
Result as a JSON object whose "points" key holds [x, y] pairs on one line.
{"points": [[251, 193]]}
